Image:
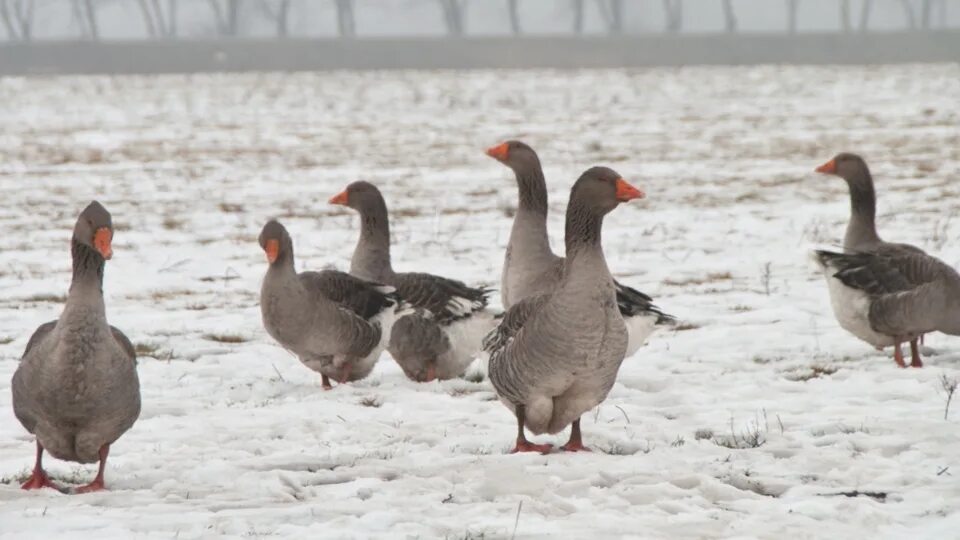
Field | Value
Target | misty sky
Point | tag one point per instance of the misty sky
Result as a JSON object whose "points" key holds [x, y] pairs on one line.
{"points": [[122, 19]]}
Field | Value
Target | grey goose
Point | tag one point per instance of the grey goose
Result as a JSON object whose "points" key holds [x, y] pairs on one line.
{"points": [[555, 356], [335, 323], [530, 267], [444, 333], [76, 388], [882, 292]]}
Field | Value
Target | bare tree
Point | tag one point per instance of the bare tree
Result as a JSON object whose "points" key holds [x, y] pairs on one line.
{"points": [[578, 16], [453, 15], [91, 17], [865, 10], [729, 16], [160, 22], [673, 13], [227, 16], [926, 9], [792, 6], [845, 15], [513, 9], [84, 14], [346, 23], [17, 18], [280, 15], [908, 13], [612, 13]]}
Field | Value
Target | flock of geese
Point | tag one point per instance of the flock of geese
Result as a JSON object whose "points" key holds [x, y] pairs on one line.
{"points": [[553, 354]]}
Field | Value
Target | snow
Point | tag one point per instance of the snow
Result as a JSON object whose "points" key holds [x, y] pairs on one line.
{"points": [[237, 439]]}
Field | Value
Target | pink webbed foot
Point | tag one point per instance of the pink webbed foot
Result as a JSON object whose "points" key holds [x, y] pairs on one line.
{"points": [[575, 446], [39, 480], [96, 485], [527, 446]]}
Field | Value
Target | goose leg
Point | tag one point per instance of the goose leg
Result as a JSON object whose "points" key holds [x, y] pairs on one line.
{"points": [[575, 444], [325, 382], [39, 478], [523, 445], [343, 376], [915, 353], [97, 484], [431, 374], [898, 355]]}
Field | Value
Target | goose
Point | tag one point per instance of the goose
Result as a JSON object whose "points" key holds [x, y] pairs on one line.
{"points": [[861, 238], [530, 268], [889, 298], [441, 337], [555, 356], [76, 388], [335, 323]]}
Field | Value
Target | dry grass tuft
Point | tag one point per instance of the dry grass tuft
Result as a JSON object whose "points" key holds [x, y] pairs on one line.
{"points": [[225, 338], [712, 277], [813, 372]]}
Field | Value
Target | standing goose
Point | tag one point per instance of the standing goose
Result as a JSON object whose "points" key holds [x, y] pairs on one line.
{"points": [[530, 267], [76, 388], [335, 323], [893, 297], [862, 239], [555, 356], [441, 337]]}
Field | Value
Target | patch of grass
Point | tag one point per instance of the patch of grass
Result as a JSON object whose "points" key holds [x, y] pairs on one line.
{"points": [[752, 435], [231, 208], [848, 430], [813, 372], [678, 442], [156, 296], [683, 326], [225, 277], [740, 308], [225, 338], [618, 450], [171, 223], [42, 297], [408, 212], [6, 339], [195, 307], [145, 349], [763, 360], [880, 496], [703, 433], [371, 401], [712, 277]]}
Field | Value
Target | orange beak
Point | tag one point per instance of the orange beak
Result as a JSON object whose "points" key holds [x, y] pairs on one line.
{"points": [[273, 250], [340, 198], [626, 192], [829, 167], [101, 241], [499, 152]]}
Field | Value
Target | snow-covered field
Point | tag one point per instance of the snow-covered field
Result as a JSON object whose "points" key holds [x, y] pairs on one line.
{"points": [[759, 418]]}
